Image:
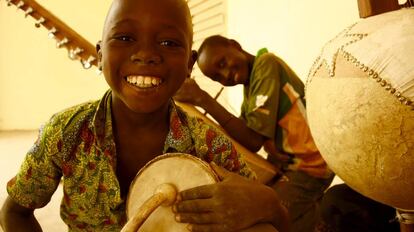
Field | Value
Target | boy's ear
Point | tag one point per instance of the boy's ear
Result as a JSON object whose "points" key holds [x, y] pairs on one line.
{"points": [[191, 62], [235, 43], [99, 52]]}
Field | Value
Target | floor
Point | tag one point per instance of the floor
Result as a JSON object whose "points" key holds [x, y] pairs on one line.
{"points": [[13, 147]]}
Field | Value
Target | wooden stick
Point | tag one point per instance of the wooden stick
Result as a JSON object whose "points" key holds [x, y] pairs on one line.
{"points": [[369, 8], [88, 55], [406, 227], [406, 219], [165, 195]]}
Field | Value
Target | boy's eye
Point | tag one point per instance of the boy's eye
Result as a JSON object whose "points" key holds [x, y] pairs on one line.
{"points": [[169, 43], [124, 38]]}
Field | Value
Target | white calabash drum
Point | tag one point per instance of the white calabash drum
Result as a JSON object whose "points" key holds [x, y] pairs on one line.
{"points": [[154, 190], [360, 94]]}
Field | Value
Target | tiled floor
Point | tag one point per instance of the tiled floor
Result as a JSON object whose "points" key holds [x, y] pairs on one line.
{"points": [[13, 147]]}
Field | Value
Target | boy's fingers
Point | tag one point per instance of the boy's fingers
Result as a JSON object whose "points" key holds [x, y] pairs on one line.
{"points": [[193, 206], [200, 192], [197, 218]]}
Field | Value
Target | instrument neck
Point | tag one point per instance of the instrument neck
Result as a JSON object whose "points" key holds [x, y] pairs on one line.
{"points": [[406, 227], [369, 8]]}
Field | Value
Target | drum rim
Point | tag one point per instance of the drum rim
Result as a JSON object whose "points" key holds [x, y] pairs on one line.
{"points": [[204, 165]]}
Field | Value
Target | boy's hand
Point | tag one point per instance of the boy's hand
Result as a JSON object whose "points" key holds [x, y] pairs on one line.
{"points": [[230, 205], [189, 92]]}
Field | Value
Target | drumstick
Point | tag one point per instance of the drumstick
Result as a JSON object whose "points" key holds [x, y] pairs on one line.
{"points": [[164, 195], [218, 93]]}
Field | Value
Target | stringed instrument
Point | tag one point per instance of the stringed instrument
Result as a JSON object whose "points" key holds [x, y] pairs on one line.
{"points": [[363, 120], [369, 8], [80, 49]]}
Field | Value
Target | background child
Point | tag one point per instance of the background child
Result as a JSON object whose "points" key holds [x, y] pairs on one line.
{"points": [[98, 147], [273, 115]]}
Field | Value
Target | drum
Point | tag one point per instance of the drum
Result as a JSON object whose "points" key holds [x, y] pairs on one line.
{"points": [[154, 190], [360, 105]]}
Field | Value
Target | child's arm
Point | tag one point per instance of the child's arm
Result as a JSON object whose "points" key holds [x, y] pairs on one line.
{"points": [[235, 203], [190, 92], [14, 217]]}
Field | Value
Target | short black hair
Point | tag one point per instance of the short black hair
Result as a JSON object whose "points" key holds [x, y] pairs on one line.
{"points": [[213, 40]]}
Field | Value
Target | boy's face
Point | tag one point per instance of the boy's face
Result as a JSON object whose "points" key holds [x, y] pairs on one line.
{"points": [[226, 64], [145, 51]]}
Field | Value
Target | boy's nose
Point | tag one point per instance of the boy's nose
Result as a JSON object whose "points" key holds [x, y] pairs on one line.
{"points": [[225, 74], [146, 57]]}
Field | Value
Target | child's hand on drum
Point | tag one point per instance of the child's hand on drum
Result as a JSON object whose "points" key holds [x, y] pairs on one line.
{"points": [[233, 204]]}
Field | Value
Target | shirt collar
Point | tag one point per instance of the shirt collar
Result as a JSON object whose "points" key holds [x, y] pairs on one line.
{"points": [[102, 120], [261, 52], [178, 139], [258, 54]]}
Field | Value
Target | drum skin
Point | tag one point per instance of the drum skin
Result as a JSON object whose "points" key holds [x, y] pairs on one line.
{"points": [[183, 171], [359, 95]]}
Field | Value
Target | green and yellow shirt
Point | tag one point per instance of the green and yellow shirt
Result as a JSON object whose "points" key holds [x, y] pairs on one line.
{"points": [[274, 106], [77, 145]]}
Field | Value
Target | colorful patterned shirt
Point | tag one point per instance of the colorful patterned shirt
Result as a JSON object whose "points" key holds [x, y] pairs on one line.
{"points": [[274, 107], [77, 145]]}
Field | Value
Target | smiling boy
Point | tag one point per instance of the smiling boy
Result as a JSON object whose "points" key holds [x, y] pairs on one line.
{"points": [[98, 147], [273, 116]]}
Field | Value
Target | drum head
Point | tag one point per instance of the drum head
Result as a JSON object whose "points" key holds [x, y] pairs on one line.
{"points": [[184, 171]]}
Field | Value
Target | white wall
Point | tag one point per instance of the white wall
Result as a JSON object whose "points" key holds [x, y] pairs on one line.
{"points": [[37, 80], [294, 30]]}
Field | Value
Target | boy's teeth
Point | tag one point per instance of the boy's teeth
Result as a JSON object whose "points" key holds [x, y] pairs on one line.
{"points": [[140, 80], [147, 80], [144, 81]]}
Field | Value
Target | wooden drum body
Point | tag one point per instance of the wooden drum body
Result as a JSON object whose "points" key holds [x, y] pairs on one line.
{"points": [[182, 171]]}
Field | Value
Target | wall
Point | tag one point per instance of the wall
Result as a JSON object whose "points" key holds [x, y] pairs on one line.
{"points": [[294, 30], [37, 80]]}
